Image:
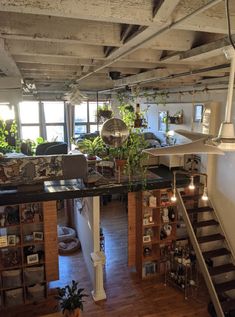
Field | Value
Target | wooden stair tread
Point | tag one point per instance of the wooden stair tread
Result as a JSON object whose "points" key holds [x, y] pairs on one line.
{"points": [[225, 268], [228, 305], [206, 223], [225, 286], [210, 238], [191, 197], [200, 209], [215, 253]]}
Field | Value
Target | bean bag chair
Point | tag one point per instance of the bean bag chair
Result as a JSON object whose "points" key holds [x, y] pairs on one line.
{"points": [[65, 233], [69, 246]]}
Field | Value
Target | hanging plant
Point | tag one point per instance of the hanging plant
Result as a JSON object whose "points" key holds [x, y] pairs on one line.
{"points": [[104, 113]]}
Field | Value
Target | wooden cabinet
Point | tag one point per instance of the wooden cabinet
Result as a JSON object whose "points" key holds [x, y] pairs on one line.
{"points": [[28, 252], [156, 220]]}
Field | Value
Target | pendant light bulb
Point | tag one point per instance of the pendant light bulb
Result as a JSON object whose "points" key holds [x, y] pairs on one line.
{"points": [[204, 195], [173, 197], [191, 185]]}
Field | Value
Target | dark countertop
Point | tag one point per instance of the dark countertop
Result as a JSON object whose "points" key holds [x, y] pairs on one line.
{"points": [[68, 189]]}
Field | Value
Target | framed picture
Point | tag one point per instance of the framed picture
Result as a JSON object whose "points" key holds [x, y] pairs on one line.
{"points": [[3, 241], [147, 238], [38, 236], [11, 239], [32, 258]]}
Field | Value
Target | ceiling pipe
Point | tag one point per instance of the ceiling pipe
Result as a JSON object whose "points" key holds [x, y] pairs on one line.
{"points": [[169, 26]]}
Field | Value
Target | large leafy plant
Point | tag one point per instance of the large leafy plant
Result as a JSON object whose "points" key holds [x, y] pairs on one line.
{"points": [[71, 297], [92, 147]]}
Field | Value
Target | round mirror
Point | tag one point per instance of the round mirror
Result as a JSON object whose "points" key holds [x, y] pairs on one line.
{"points": [[114, 132]]}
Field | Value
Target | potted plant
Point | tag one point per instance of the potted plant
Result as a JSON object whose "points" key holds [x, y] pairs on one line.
{"points": [[104, 113], [71, 299], [92, 148]]}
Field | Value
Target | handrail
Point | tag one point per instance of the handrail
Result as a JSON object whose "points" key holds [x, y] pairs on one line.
{"points": [[201, 261], [223, 232]]}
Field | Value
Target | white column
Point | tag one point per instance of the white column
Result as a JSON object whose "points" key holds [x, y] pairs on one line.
{"points": [[97, 257]]}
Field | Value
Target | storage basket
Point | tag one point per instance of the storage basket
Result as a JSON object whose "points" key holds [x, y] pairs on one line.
{"points": [[14, 297], [11, 279], [34, 275], [36, 292]]}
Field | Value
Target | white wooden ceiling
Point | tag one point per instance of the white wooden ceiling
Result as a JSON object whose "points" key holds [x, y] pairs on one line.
{"points": [[154, 43]]}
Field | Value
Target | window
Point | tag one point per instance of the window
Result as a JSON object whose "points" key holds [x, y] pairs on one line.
{"points": [[54, 120], [29, 120], [45, 119], [86, 118], [198, 111], [7, 112], [162, 115]]}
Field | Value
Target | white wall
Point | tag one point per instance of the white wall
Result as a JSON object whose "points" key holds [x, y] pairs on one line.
{"points": [[86, 222]]}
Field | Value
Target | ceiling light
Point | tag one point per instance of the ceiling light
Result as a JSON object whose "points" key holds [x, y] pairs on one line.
{"points": [[204, 195], [173, 197], [191, 185]]}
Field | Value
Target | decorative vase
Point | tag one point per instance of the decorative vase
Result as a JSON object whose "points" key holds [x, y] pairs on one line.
{"points": [[72, 313]]}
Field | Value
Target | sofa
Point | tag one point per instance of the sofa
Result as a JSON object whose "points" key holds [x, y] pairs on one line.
{"points": [[159, 140]]}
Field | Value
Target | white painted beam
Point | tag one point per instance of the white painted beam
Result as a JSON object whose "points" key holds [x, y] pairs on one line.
{"points": [[47, 28], [55, 49], [10, 82], [7, 64], [129, 11], [173, 40]]}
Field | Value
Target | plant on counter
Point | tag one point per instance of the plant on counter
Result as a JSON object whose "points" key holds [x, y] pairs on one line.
{"points": [[71, 299], [92, 148]]}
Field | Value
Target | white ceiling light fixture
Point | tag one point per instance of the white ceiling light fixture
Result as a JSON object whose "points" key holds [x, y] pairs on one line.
{"points": [[75, 96]]}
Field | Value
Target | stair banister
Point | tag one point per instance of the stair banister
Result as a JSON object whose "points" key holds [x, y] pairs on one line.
{"points": [[202, 264]]}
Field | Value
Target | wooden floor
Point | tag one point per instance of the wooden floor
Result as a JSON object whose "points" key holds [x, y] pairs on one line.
{"points": [[126, 295]]}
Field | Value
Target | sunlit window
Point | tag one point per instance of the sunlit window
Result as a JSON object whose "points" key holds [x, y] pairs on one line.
{"points": [[54, 111], [81, 112], [29, 112], [7, 112], [45, 119], [30, 132]]}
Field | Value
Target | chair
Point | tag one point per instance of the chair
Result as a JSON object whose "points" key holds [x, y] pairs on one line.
{"points": [[50, 148]]}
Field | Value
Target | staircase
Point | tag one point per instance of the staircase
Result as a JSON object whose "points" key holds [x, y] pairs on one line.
{"points": [[212, 250]]}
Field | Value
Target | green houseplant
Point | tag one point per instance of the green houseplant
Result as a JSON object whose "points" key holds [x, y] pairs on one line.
{"points": [[104, 112], [92, 147], [71, 299]]}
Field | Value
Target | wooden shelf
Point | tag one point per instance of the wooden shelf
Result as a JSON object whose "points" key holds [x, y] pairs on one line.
{"points": [[49, 259], [145, 264]]}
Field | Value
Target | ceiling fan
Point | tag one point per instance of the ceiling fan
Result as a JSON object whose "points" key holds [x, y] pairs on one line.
{"points": [[204, 143]]}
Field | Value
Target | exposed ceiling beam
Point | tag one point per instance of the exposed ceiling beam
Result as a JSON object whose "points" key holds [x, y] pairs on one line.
{"points": [[212, 20], [164, 10], [150, 33], [54, 29], [129, 11], [165, 74], [7, 64], [10, 82], [55, 49]]}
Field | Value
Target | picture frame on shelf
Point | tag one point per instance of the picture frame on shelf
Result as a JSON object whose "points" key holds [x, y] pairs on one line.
{"points": [[3, 241], [32, 258], [153, 201], [38, 236], [11, 240], [146, 238]]}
